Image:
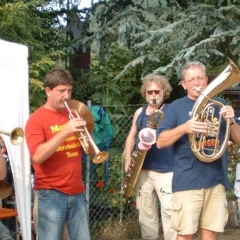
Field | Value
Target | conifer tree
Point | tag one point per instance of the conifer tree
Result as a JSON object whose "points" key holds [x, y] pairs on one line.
{"points": [[168, 33]]}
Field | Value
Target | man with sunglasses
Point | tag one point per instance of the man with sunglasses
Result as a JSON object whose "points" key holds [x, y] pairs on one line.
{"points": [[199, 188], [155, 178]]}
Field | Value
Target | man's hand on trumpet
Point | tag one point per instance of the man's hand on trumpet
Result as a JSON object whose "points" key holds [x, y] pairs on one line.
{"points": [[75, 125]]}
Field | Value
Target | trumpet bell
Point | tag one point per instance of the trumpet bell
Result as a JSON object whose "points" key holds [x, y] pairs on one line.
{"points": [[16, 136], [100, 157]]}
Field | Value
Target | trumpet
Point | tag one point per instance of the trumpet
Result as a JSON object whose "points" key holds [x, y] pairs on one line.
{"points": [[75, 109], [16, 135]]}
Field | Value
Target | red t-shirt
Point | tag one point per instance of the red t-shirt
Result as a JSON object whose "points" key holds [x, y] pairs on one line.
{"points": [[63, 170]]}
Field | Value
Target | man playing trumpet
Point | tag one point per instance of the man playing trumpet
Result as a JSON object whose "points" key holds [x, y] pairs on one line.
{"points": [[56, 157]]}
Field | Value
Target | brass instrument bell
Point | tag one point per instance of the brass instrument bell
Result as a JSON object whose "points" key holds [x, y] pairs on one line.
{"points": [[16, 135], [78, 109]]}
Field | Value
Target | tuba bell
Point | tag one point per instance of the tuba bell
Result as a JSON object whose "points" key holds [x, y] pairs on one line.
{"points": [[203, 107], [77, 109]]}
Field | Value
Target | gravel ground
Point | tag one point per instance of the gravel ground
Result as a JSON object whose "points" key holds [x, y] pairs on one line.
{"points": [[230, 234]]}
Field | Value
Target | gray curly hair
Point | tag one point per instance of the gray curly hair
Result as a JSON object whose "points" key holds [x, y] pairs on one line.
{"points": [[156, 78]]}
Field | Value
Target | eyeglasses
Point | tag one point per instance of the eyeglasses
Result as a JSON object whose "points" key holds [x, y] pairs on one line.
{"points": [[199, 79], [150, 92]]}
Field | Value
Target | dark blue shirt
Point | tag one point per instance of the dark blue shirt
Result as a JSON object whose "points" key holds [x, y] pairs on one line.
{"points": [[189, 172], [159, 160]]}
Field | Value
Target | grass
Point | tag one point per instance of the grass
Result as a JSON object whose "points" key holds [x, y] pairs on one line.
{"points": [[112, 229]]}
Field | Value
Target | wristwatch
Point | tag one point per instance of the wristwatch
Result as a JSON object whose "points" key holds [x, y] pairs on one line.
{"points": [[233, 121]]}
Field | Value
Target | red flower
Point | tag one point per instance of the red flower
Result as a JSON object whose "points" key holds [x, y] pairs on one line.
{"points": [[100, 184]]}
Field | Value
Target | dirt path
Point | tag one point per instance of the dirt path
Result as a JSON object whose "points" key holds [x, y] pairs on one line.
{"points": [[230, 234]]}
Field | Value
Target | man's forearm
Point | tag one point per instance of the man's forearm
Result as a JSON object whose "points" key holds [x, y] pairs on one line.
{"points": [[47, 149], [169, 137]]}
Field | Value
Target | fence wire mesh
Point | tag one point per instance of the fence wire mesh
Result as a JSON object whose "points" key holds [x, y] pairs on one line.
{"points": [[110, 215]]}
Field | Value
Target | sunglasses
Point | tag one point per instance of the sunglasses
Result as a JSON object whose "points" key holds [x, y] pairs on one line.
{"points": [[150, 92]]}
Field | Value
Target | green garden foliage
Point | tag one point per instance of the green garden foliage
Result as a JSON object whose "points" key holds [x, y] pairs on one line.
{"points": [[128, 39], [167, 33]]}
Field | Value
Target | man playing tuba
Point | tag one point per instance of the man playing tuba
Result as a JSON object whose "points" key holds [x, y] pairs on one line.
{"points": [[199, 188]]}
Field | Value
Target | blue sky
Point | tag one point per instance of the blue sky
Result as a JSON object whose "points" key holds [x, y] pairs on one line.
{"points": [[86, 3]]}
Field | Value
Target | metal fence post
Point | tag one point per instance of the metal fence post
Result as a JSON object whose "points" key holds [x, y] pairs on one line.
{"points": [[106, 207], [88, 159]]}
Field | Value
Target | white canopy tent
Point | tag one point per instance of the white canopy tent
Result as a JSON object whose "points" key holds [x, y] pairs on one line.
{"points": [[14, 112]]}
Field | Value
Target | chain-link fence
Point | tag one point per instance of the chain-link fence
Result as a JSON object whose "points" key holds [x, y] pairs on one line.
{"points": [[110, 215]]}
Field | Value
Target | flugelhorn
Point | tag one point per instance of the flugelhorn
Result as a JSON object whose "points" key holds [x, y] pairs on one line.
{"points": [[204, 108], [16, 135], [77, 109]]}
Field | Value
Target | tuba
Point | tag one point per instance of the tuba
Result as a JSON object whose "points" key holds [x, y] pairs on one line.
{"points": [[77, 109], [147, 137], [203, 107]]}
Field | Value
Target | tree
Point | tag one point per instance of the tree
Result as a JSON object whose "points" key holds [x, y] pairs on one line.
{"points": [[167, 33], [28, 22], [152, 36]]}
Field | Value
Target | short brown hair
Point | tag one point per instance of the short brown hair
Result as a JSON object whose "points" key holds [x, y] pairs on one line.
{"points": [[58, 76]]}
